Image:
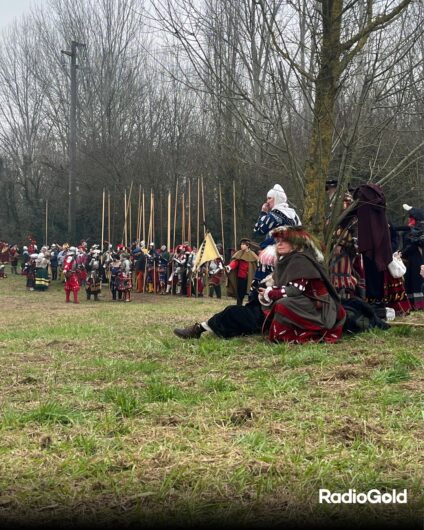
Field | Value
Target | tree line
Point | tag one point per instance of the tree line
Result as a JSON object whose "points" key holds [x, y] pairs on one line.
{"points": [[240, 93]]}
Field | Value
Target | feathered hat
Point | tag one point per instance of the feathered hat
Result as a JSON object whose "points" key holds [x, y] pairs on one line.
{"points": [[415, 214], [300, 239]]}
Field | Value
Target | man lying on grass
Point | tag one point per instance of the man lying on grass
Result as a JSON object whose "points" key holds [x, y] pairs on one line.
{"points": [[297, 303]]}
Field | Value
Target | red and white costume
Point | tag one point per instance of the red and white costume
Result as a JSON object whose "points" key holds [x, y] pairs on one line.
{"points": [[70, 272]]}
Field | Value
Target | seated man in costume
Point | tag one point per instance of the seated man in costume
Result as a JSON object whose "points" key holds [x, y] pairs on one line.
{"points": [[297, 303]]}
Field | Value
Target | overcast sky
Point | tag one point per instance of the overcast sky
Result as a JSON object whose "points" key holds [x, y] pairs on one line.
{"points": [[11, 9]]}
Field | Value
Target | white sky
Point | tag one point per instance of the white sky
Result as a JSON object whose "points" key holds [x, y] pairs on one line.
{"points": [[11, 9]]}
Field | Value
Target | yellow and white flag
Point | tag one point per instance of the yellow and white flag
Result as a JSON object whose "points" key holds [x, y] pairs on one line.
{"points": [[206, 252]]}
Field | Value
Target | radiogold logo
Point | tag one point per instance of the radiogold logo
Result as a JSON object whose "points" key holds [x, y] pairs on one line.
{"points": [[373, 496]]}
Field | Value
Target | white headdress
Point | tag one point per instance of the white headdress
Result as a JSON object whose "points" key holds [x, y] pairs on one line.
{"points": [[280, 203]]}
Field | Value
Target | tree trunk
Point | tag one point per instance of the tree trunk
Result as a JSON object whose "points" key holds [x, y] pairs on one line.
{"points": [[320, 144]]}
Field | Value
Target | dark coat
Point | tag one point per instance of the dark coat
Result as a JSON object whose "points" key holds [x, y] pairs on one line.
{"points": [[373, 227]]}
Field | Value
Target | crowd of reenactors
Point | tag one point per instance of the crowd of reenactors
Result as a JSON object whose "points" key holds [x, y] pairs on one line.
{"points": [[368, 259], [139, 267]]}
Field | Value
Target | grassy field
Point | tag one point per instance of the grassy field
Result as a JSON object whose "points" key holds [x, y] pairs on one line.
{"points": [[106, 417]]}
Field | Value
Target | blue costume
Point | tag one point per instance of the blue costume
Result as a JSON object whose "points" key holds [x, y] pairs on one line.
{"points": [[280, 215]]}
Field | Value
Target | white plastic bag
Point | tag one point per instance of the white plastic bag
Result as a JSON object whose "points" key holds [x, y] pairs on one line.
{"points": [[397, 267]]}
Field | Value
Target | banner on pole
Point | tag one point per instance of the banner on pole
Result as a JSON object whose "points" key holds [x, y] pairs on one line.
{"points": [[207, 252]]}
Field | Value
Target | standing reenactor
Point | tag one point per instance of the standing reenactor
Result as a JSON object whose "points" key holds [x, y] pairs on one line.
{"points": [[275, 212], [105, 261], [114, 271], [140, 268], [71, 277], [241, 271], [42, 274], [54, 260], [14, 254], [215, 270], [124, 283], [163, 262], [29, 272], [93, 283], [25, 258]]}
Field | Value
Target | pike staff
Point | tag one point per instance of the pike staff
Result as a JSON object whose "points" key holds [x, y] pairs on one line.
{"points": [[144, 219], [175, 212], [137, 235], [203, 210], [222, 219], [127, 203], [130, 221], [182, 219], [47, 219], [152, 210], [103, 220], [108, 217], [198, 211], [234, 213], [168, 239], [125, 218], [189, 213]]}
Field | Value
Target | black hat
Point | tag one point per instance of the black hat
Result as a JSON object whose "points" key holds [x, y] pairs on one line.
{"points": [[245, 240], [331, 184]]}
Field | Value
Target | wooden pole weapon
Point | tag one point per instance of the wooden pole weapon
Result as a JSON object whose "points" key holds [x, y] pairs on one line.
{"points": [[198, 212], [125, 218], [222, 220], [103, 220], [108, 217], [189, 213], [138, 230], [127, 203], [130, 221], [153, 216], [175, 212], [203, 208], [168, 239], [234, 213], [47, 220], [182, 219]]}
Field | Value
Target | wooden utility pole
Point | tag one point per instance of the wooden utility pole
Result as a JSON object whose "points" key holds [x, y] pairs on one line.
{"points": [[72, 147]]}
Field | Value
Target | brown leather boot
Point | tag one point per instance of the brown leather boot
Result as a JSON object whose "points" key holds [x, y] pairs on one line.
{"points": [[193, 332]]}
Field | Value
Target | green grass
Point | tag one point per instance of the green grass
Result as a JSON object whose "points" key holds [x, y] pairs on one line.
{"points": [[107, 417]]}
